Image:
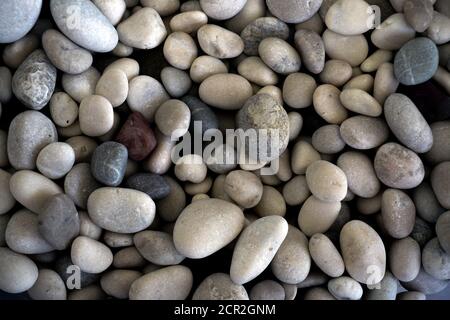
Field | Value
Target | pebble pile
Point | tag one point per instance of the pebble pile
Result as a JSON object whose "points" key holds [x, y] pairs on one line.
{"points": [[94, 95]]}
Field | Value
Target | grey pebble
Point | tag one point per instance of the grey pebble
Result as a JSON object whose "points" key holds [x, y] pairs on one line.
{"points": [[34, 81], [312, 50], [5, 84], [109, 163], [79, 184], [152, 184], [416, 62], [17, 18], [425, 283], [294, 11], [29, 132], [59, 223], [200, 112]]}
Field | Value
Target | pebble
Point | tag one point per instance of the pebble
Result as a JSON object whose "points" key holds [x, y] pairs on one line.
{"points": [[326, 181], [176, 82], [5, 85], [164, 8], [361, 102], [169, 283], [65, 268], [318, 293], [298, 90], [34, 81], [272, 203], [18, 273], [262, 28], [218, 286], [256, 247], [442, 226], [113, 85], [87, 227], [317, 216], [422, 232], [155, 186], [137, 136], [121, 210], [435, 261], [200, 112], [55, 160], [117, 283], [439, 28], [349, 17], [427, 205], [327, 104], [79, 184], [63, 109], [398, 213], [291, 11], [7, 200], [267, 290], [292, 261], [385, 82], [440, 151], [418, 14], [405, 259], [326, 256], [64, 54], [295, 124], [197, 228], [425, 283], [113, 10], [157, 247], [180, 50], [312, 50], [222, 11], [32, 189], [296, 191], [90, 255], [15, 53], [117, 240], [96, 116], [129, 66], [352, 49], [173, 118], [83, 23], [279, 55], [191, 168], [363, 252], [327, 139], [58, 222], [336, 72], [255, 71], [374, 61], [345, 288], [411, 295], [92, 292], [393, 33], [171, 206], [398, 167], [440, 183], [188, 22], [48, 286], [80, 86], [145, 95], [18, 18], [219, 42], [416, 62], [225, 91], [303, 154], [244, 187], [109, 163], [363, 133], [22, 234], [128, 258]]}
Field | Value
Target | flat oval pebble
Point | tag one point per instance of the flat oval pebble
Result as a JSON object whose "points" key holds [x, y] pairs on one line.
{"points": [[48, 286], [292, 11], [222, 10], [398, 167], [317, 216], [109, 163], [137, 136], [219, 42], [326, 181], [218, 286], [113, 85], [361, 102], [32, 189], [59, 223], [326, 256], [90, 255], [393, 33], [83, 23], [34, 81], [64, 54], [197, 227], [18, 273], [416, 62], [170, 283], [154, 185], [256, 247], [362, 132], [157, 247], [121, 210], [363, 252], [345, 288], [405, 259], [267, 290], [349, 17], [18, 18], [79, 184], [80, 86]]}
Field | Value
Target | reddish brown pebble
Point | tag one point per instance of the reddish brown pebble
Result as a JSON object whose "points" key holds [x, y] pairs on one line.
{"points": [[137, 136]]}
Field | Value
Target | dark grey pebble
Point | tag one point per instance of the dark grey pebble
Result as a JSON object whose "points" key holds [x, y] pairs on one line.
{"points": [[425, 283], [416, 62], [68, 272], [200, 112], [154, 185], [109, 163], [59, 223], [79, 184], [34, 81], [17, 18], [422, 232]]}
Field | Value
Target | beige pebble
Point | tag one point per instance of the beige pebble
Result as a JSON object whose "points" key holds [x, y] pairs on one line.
{"points": [[176, 82], [188, 22], [206, 66], [318, 293], [81, 85], [218, 189], [326, 181], [352, 49], [363, 82], [218, 286], [279, 55], [369, 206], [157, 247], [122, 50], [180, 50], [349, 17], [345, 288], [87, 227], [198, 188], [385, 82], [96, 116], [336, 72], [405, 259], [112, 9], [327, 139], [256, 247], [70, 131], [252, 10], [298, 90], [314, 23], [63, 109], [83, 147], [173, 118], [272, 203], [398, 213], [303, 155], [255, 71], [361, 102], [362, 132], [128, 258], [296, 191], [440, 183], [191, 168], [160, 160], [113, 85], [15, 53], [295, 124], [374, 61], [171, 206], [129, 66], [117, 240], [90, 255], [439, 29], [267, 290], [117, 283], [284, 172], [273, 91], [244, 187], [328, 105], [393, 33], [317, 216], [443, 78], [219, 42], [326, 256], [48, 286]]}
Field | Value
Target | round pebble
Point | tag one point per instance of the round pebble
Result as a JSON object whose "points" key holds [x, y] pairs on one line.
{"points": [[326, 181], [219, 42], [440, 183], [90, 255], [349, 17], [113, 85], [279, 55], [18, 273], [109, 163], [157, 247], [222, 11], [80, 86], [363, 133], [173, 118], [48, 286], [55, 160], [317, 216]]}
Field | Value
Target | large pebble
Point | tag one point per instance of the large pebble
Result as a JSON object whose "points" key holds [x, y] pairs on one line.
{"points": [[363, 252], [90, 255], [326, 256], [362, 132], [170, 283], [18, 273], [225, 91], [80, 86], [121, 210], [222, 10], [154, 185], [440, 181], [48, 286], [312, 50], [416, 62], [219, 42], [256, 247], [398, 167], [7, 200], [157, 247], [22, 234], [398, 213], [393, 33], [352, 49], [326, 181], [279, 55], [405, 259], [293, 11], [292, 262], [17, 18], [109, 163], [55, 160], [64, 54], [219, 286], [34, 81], [197, 228], [244, 187], [59, 223], [79, 184], [83, 23], [349, 17], [96, 116], [317, 216], [32, 189]]}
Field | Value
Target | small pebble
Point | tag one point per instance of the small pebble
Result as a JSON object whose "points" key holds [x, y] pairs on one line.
{"points": [[90, 255], [218, 286], [55, 160], [267, 290], [109, 163]]}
